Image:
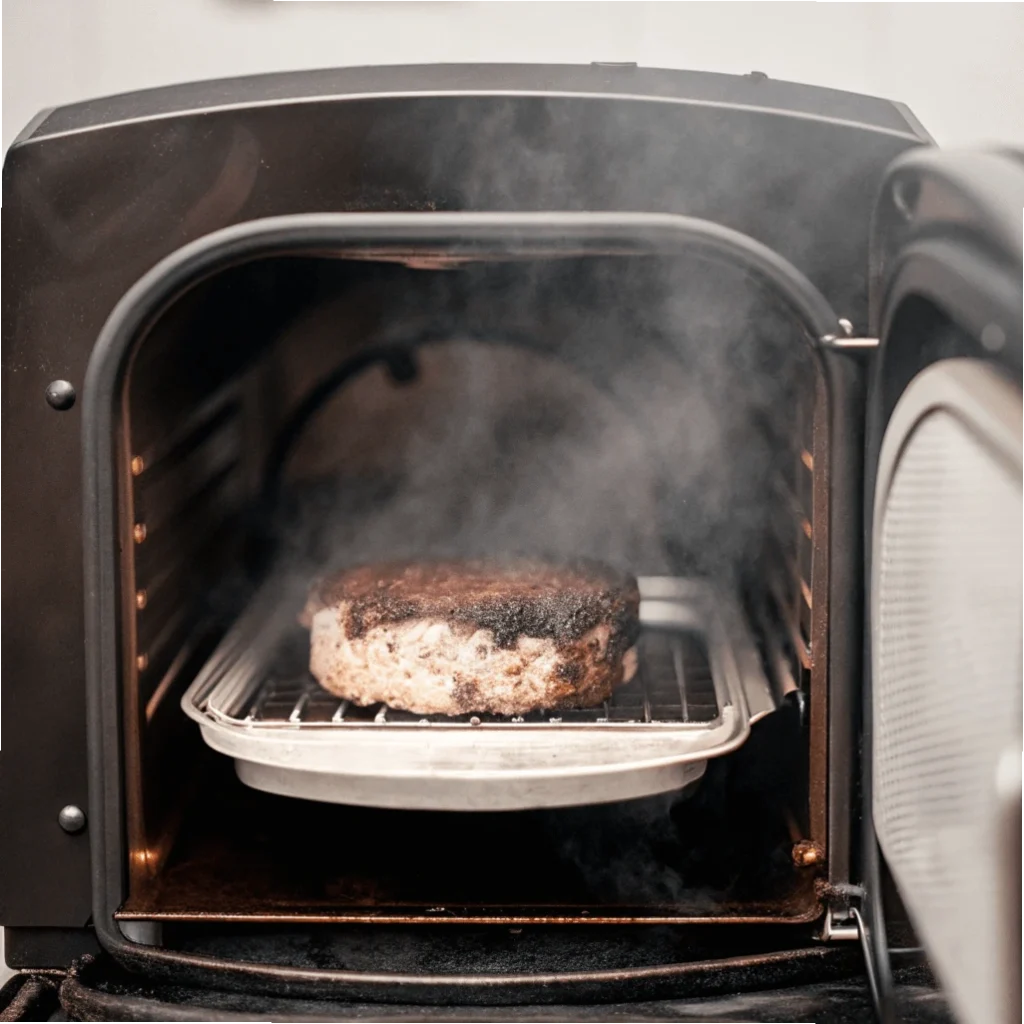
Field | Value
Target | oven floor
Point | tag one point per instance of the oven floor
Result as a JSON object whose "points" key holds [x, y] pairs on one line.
{"points": [[249, 856]]}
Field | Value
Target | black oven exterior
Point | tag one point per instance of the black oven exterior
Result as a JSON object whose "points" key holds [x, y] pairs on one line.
{"points": [[97, 194]]}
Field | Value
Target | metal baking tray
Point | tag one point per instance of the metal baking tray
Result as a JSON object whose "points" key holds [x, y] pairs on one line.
{"points": [[699, 686]]}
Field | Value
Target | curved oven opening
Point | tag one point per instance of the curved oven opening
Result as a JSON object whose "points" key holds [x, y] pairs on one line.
{"points": [[294, 412]]}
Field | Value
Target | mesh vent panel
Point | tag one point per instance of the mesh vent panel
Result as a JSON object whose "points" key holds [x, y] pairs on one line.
{"points": [[947, 693]]}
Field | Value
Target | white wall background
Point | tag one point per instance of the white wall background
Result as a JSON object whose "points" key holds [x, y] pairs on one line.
{"points": [[960, 67]]}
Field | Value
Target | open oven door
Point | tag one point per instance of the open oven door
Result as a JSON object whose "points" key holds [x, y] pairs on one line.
{"points": [[942, 770]]}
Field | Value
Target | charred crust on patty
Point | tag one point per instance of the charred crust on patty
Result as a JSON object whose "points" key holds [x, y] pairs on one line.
{"points": [[570, 671], [512, 600]]}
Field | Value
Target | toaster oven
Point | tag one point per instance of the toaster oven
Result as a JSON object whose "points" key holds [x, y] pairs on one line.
{"points": [[757, 344]]}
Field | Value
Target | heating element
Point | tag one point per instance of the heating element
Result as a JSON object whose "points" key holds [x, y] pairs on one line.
{"points": [[699, 686]]}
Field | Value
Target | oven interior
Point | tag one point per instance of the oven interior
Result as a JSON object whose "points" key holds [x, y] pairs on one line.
{"points": [[657, 413]]}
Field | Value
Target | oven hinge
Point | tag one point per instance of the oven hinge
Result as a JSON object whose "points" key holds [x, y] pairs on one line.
{"points": [[840, 927], [842, 344], [846, 341], [841, 922]]}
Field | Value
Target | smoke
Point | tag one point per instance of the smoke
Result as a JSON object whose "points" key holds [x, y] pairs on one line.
{"points": [[635, 410], [626, 854], [807, 188], [623, 409], [724, 840]]}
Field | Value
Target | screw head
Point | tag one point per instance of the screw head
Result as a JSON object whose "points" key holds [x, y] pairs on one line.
{"points": [[993, 337], [807, 854], [402, 366], [71, 819], [60, 394]]}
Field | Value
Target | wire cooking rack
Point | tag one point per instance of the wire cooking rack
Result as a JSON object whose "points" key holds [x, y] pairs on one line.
{"points": [[673, 683]]}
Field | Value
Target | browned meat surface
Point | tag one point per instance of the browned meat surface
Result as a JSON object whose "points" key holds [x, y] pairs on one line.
{"points": [[459, 637]]}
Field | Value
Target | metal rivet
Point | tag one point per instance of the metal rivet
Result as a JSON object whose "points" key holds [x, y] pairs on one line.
{"points": [[139, 532], [806, 854], [138, 465], [71, 819], [402, 366], [60, 394], [140, 599], [993, 337], [142, 662]]}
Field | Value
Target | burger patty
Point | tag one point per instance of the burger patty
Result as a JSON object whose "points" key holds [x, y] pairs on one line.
{"points": [[453, 638]]}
